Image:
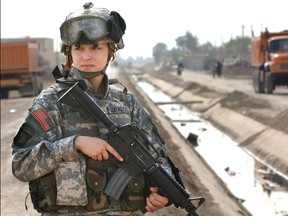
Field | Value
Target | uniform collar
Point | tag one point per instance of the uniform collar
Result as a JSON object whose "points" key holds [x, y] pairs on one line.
{"points": [[74, 74]]}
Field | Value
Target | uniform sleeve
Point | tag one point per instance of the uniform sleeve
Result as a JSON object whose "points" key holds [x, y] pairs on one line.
{"points": [[39, 145]]}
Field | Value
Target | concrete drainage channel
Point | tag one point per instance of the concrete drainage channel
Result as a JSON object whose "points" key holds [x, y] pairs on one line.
{"points": [[235, 167]]}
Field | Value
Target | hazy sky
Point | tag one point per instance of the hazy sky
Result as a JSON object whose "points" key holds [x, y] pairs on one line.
{"points": [[150, 21]]}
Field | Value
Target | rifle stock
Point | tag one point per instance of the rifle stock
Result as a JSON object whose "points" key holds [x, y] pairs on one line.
{"points": [[131, 143]]}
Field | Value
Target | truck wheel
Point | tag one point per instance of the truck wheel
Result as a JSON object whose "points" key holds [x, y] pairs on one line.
{"points": [[32, 90], [258, 83], [269, 85], [4, 94], [40, 88], [38, 84]]}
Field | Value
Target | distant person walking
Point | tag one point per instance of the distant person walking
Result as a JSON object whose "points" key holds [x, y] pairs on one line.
{"points": [[217, 69], [180, 68]]}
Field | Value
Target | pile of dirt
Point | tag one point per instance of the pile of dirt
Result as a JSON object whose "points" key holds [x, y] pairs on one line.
{"points": [[257, 109], [253, 107], [248, 106], [280, 122]]}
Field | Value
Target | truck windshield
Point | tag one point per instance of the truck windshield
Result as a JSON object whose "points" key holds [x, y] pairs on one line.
{"points": [[279, 45]]}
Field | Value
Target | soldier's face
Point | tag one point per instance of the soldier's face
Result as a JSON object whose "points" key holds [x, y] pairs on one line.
{"points": [[90, 58]]}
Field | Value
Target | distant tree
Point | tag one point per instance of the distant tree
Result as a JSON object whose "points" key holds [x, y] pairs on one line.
{"points": [[181, 42], [187, 42], [192, 41], [237, 47], [159, 51], [173, 54], [206, 48]]}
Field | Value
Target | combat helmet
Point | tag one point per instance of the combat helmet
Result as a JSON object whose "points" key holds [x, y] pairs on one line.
{"points": [[97, 24]]}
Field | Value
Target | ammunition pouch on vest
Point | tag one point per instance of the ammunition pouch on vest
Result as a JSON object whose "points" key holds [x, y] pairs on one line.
{"points": [[43, 190], [98, 174], [43, 193], [96, 181], [133, 197]]}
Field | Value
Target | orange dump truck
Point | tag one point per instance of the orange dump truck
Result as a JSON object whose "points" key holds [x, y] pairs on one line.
{"points": [[20, 68], [269, 53]]}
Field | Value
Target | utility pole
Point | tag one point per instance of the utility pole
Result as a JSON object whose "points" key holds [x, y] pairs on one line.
{"points": [[252, 31], [243, 27]]}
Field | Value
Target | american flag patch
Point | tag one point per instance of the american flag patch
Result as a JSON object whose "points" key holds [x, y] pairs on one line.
{"points": [[43, 118]]}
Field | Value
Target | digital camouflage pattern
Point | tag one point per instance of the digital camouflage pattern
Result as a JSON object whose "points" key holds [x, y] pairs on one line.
{"points": [[44, 144]]}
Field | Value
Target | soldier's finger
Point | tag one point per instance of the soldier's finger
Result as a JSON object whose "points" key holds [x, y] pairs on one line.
{"points": [[114, 152], [105, 155], [99, 157]]}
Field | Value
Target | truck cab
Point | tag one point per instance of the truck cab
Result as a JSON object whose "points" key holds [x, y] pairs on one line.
{"points": [[270, 59]]}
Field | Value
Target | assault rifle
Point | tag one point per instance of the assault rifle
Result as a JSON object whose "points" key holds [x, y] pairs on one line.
{"points": [[131, 143]]}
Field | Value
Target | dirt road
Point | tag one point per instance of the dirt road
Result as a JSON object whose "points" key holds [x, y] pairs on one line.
{"points": [[199, 179]]}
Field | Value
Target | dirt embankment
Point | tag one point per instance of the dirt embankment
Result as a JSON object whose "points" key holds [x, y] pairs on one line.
{"points": [[255, 121], [199, 179], [258, 122]]}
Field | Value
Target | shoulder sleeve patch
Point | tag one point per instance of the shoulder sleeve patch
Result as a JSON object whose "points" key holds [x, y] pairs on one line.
{"points": [[43, 118], [22, 137]]}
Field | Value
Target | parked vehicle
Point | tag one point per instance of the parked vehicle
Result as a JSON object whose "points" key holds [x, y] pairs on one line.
{"points": [[20, 68], [270, 59]]}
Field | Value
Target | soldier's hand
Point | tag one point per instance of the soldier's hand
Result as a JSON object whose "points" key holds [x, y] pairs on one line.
{"points": [[155, 201], [95, 148]]}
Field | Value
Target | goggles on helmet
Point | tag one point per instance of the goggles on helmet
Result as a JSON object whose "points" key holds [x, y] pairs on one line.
{"points": [[94, 28]]}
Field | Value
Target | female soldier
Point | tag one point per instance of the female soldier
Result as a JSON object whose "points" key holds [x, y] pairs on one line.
{"points": [[61, 151]]}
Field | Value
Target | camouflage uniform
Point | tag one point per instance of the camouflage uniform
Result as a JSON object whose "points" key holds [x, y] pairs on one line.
{"points": [[44, 144]]}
